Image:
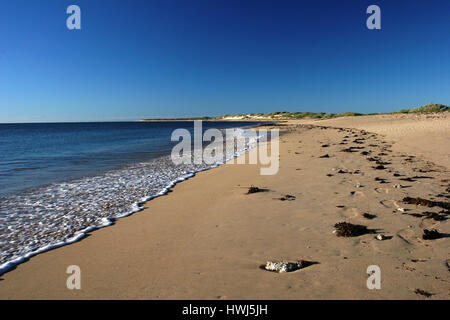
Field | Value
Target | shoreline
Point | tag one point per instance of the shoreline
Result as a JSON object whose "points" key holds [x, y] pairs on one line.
{"points": [[109, 221], [207, 240]]}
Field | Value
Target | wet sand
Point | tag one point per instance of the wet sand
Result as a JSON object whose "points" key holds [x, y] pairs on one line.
{"points": [[207, 239]]}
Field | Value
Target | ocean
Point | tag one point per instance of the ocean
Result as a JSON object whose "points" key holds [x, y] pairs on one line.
{"points": [[59, 181]]}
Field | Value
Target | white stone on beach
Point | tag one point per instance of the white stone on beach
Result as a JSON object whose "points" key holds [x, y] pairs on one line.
{"points": [[282, 266], [380, 237]]}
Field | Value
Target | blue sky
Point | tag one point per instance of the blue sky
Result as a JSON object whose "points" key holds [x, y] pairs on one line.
{"points": [[137, 58]]}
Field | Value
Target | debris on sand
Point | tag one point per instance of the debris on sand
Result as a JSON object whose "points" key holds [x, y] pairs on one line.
{"points": [[287, 197], [381, 180], [283, 266], [398, 186], [352, 149], [431, 234], [253, 189], [422, 177], [429, 215], [346, 229], [435, 216], [426, 203], [408, 179], [381, 237], [417, 215], [369, 216], [325, 156], [423, 293], [418, 260], [325, 145]]}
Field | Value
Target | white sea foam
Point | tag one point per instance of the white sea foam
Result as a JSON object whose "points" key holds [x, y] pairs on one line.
{"points": [[42, 219]]}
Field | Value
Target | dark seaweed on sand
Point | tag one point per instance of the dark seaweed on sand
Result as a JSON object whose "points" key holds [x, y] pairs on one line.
{"points": [[253, 189], [431, 234], [429, 215], [427, 203], [407, 179], [369, 216], [287, 197], [435, 216], [423, 293], [381, 180], [346, 229], [352, 149]]}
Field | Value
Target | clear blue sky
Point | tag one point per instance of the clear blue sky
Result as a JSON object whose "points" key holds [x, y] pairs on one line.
{"points": [[166, 58]]}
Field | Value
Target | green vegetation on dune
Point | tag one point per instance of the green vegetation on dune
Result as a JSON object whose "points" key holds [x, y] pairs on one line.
{"points": [[429, 108], [286, 115]]}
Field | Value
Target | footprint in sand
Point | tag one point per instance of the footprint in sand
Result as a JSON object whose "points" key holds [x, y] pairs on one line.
{"points": [[386, 203], [389, 204], [382, 190], [395, 204], [428, 224], [350, 213], [410, 236]]}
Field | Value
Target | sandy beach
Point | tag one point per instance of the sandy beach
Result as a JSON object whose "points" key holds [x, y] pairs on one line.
{"points": [[207, 238]]}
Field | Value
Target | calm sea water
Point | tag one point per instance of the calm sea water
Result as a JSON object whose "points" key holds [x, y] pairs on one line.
{"points": [[60, 180], [32, 155]]}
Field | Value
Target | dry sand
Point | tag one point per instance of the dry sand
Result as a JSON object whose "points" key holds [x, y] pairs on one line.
{"points": [[207, 238]]}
